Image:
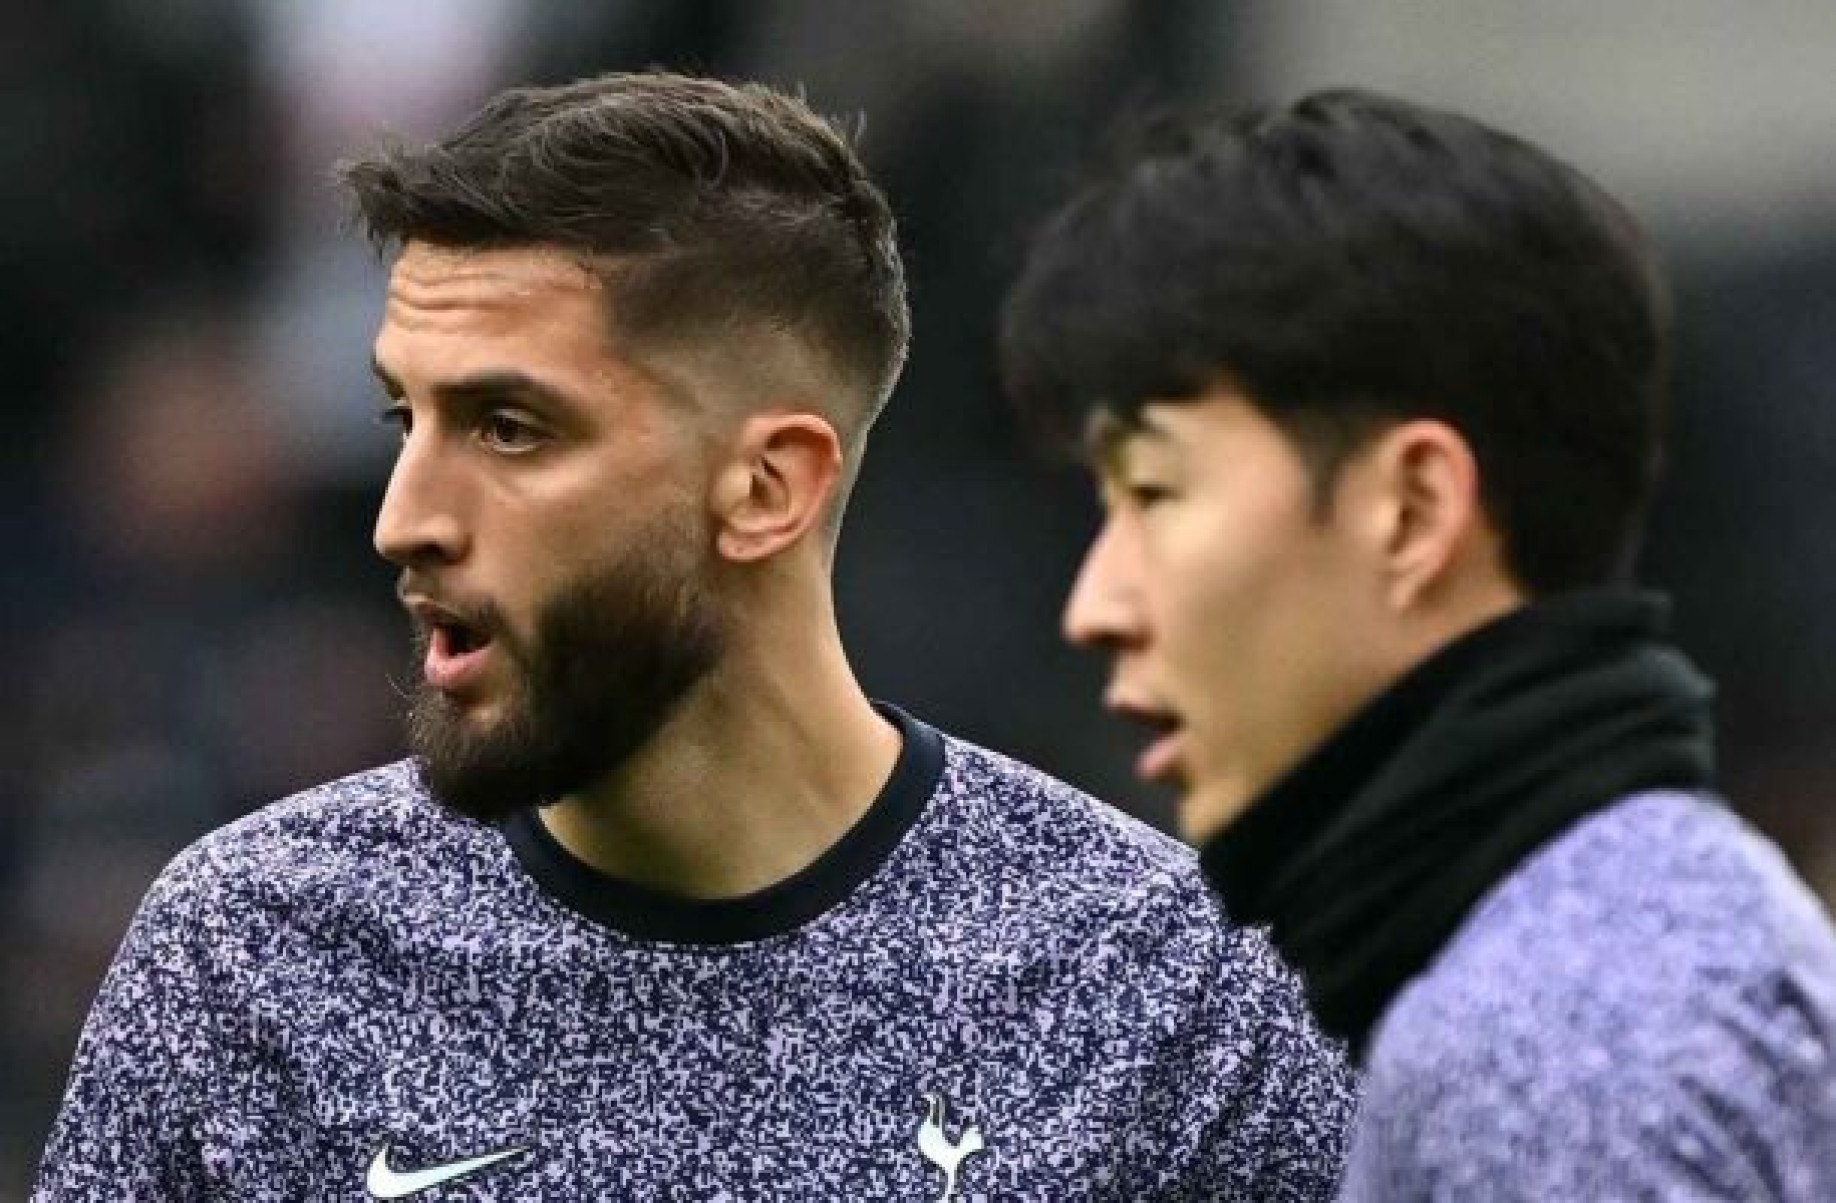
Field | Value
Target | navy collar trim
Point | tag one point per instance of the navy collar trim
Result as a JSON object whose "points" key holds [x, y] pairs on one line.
{"points": [[645, 913]]}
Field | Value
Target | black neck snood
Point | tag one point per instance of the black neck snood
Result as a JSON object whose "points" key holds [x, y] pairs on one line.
{"points": [[1367, 856]]}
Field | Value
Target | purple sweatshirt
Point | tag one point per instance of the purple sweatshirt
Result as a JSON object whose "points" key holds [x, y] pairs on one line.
{"points": [[1645, 1009], [992, 988]]}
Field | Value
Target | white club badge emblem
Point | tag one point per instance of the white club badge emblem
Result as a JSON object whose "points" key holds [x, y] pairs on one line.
{"points": [[946, 1154]]}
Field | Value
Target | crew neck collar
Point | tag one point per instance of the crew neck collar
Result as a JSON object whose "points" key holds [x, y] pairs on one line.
{"points": [[645, 913]]}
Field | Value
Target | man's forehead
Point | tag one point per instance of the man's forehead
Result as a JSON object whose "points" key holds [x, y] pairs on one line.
{"points": [[473, 300], [425, 274]]}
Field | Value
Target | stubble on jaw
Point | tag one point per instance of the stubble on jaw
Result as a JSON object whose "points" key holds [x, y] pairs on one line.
{"points": [[612, 656]]}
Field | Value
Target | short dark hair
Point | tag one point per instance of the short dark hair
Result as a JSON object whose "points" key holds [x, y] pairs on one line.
{"points": [[708, 208], [1354, 260]]}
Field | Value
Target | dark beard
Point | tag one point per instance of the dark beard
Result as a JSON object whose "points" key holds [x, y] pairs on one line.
{"points": [[613, 655]]}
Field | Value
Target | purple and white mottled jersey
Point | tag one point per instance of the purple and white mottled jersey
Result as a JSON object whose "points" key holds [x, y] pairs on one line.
{"points": [[1645, 1009], [992, 988]]}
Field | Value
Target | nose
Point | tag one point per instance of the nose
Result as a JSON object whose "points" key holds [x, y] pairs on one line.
{"points": [[1104, 612], [418, 523]]}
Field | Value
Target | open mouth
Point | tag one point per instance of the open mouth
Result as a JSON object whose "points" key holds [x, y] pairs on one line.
{"points": [[456, 652], [456, 638], [1160, 759]]}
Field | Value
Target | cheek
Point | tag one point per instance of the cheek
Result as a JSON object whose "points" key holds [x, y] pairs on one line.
{"points": [[1255, 616], [537, 560], [1300, 648], [1215, 579], [582, 515]]}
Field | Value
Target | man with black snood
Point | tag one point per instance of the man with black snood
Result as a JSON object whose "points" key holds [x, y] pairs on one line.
{"points": [[1373, 395]]}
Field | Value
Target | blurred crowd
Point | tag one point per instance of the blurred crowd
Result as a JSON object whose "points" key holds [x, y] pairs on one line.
{"points": [[201, 626]]}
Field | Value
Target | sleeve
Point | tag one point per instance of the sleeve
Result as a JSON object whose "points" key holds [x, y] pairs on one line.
{"points": [[1736, 1103], [1751, 1099], [128, 1123], [1252, 1103], [1279, 1095]]}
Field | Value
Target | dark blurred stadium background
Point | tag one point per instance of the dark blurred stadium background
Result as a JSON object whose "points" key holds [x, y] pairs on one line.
{"points": [[199, 625]]}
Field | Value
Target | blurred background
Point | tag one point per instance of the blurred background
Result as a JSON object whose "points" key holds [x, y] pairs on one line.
{"points": [[193, 463]]}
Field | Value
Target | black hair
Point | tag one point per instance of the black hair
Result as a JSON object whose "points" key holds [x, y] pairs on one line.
{"points": [[1352, 260], [707, 207]]}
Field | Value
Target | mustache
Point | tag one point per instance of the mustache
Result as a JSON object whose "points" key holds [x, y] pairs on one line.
{"points": [[478, 613]]}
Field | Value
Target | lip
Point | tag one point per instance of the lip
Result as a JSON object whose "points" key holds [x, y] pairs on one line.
{"points": [[452, 671], [1162, 759], [445, 667]]}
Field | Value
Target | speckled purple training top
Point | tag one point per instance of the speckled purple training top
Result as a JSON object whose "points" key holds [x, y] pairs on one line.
{"points": [[993, 988], [1646, 1009]]}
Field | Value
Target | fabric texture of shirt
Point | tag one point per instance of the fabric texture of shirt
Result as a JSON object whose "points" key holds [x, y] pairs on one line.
{"points": [[1644, 1009], [993, 988]]}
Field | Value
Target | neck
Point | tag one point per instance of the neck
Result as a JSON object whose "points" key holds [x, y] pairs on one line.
{"points": [[1367, 856], [763, 767]]}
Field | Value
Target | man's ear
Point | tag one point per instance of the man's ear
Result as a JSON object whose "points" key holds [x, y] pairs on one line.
{"points": [[1433, 519], [777, 483]]}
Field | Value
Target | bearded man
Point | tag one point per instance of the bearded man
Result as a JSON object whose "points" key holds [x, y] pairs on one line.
{"points": [[663, 906]]}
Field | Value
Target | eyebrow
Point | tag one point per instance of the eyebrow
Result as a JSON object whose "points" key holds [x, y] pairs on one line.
{"points": [[1107, 435], [495, 385], [1149, 426]]}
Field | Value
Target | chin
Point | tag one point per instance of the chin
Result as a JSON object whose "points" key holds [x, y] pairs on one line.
{"points": [[1206, 809], [477, 715], [478, 712]]}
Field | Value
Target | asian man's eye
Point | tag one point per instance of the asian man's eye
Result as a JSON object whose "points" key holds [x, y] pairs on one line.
{"points": [[398, 416], [1147, 495]]}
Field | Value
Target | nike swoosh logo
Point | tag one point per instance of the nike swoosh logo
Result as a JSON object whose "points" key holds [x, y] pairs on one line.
{"points": [[386, 1183]]}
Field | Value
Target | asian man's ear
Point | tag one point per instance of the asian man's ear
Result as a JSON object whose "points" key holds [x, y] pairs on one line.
{"points": [[1429, 478]]}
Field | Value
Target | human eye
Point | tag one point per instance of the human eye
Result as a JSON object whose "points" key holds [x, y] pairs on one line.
{"points": [[1133, 494], [1145, 495], [398, 416], [509, 432]]}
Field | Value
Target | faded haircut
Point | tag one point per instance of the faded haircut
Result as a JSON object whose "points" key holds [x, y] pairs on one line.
{"points": [[714, 213]]}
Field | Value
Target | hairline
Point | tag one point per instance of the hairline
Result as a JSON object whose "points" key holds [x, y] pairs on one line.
{"points": [[1325, 434]]}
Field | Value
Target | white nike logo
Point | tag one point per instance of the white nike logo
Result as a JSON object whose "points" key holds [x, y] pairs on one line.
{"points": [[386, 1183]]}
